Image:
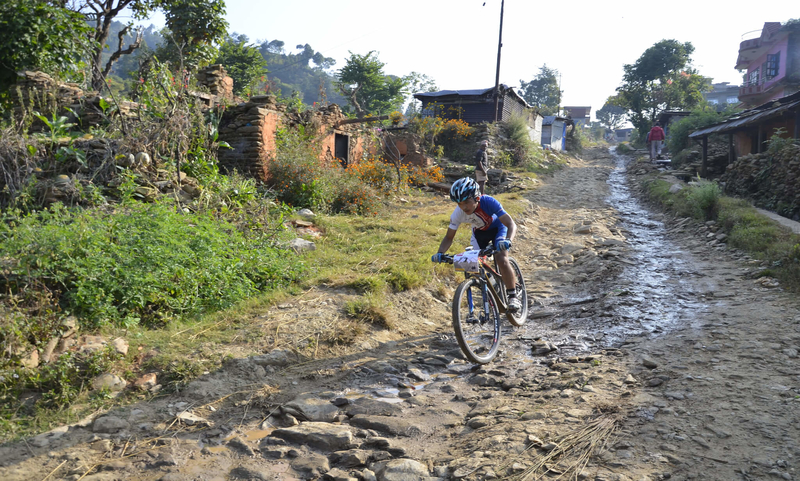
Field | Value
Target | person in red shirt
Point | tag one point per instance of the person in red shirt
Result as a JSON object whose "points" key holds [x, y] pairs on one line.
{"points": [[656, 139]]}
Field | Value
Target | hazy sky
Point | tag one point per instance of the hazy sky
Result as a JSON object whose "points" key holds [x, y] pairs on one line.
{"points": [[455, 41]]}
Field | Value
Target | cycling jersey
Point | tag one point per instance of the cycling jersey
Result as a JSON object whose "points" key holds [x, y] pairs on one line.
{"points": [[485, 217]]}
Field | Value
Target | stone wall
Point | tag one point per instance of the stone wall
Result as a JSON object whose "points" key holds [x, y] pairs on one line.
{"points": [[771, 181], [249, 128], [219, 84]]}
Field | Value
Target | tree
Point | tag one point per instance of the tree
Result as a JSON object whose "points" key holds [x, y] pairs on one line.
{"points": [[417, 82], [611, 115], [367, 88], [243, 62], [542, 92], [195, 25], [661, 79], [304, 72], [37, 35]]}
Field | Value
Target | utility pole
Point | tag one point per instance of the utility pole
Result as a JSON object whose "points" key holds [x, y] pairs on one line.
{"points": [[497, 76]]}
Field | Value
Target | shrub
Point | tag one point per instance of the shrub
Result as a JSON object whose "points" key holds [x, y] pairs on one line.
{"points": [[704, 197], [142, 264], [680, 130]]}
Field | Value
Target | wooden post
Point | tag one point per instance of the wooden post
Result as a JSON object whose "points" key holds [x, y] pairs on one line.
{"points": [[797, 125], [497, 76], [731, 153], [705, 157], [760, 138]]}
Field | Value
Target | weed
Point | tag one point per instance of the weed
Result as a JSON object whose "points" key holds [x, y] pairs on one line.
{"points": [[369, 309]]}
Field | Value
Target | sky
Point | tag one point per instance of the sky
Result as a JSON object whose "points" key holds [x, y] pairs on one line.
{"points": [[455, 41]]}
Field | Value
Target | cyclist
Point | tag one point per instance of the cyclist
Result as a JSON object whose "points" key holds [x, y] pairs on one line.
{"points": [[489, 223]]}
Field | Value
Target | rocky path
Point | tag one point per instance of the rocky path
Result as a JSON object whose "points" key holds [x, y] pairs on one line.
{"points": [[650, 354]]}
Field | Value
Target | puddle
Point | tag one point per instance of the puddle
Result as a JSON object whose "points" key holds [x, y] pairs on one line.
{"points": [[256, 434]]}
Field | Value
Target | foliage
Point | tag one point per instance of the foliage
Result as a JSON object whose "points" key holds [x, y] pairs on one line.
{"points": [[367, 89], [195, 26], [39, 35], [417, 83], [661, 79], [525, 151], [543, 91], [611, 115], [680, 130], [243, 63], [703, 197], [576, 139], [146, 266], [779, 141], [305, 73]]}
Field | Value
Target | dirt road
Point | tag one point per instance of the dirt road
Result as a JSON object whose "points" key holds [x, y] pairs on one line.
{"points": [[650, 354]]}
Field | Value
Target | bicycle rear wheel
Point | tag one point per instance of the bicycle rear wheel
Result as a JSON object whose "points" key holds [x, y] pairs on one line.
{"points": [[476, 321], [518, 318]]}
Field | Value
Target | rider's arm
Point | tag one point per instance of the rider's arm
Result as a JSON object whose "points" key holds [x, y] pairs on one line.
{"points": [[510, 225], [448, 240]]}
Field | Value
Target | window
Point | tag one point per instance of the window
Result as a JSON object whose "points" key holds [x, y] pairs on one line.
{"points": [[771, 66], [753, 77], [733, 100]]}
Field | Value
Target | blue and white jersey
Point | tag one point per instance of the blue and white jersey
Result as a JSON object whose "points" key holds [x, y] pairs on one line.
{"points": [[485, 217]]}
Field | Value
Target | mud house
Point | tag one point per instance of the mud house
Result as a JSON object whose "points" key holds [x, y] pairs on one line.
{"points": [[771, 61]]}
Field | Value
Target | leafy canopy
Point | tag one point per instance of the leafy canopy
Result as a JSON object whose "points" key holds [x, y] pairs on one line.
{"points": [[37, 35], [662, 78], [611, 115], [367, 89], [243, 62], [542, 92]]}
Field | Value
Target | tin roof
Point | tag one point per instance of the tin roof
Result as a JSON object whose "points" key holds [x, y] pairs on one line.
{"points": [[755, 115]]}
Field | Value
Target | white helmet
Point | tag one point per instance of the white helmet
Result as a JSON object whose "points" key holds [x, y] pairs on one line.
{"points": [[463, 189]]}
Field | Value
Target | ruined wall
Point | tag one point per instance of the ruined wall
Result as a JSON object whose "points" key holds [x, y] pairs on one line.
{"points": [[249, 128], [771, 181], [219, 84]]}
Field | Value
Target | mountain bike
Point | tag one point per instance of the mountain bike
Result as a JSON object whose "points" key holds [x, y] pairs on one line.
{"points": [[480, 300]]}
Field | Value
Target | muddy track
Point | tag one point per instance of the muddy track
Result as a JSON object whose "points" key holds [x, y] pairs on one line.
{"points": [[650, 353]]}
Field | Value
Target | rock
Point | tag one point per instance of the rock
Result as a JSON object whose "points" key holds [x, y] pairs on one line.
{"points": [[239, 445], [330, 437], [369, 406], [109, 424], [351, 459], [310, 408], [571, 249], [584, 229], [656, 381], [390, 425], [301, 245], [313, 464], [675, 188], [401, 470], [120, 345], [306, 212], [192, 419], [649, 363], [30, 360], [142, 159], [47, 353], [243, 472], [146, 382], [278, 358], [109, 381]]}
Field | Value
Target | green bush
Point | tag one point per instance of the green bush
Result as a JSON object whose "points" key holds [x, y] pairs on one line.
{"points": [[142, 264], [680, 130], [703, 197]]}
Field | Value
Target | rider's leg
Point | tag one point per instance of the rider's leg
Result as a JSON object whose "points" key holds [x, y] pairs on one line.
{"points": [[503, 264]]}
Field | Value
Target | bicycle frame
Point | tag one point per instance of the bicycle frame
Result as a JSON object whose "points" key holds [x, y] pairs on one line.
{"points": [[485, 271]]}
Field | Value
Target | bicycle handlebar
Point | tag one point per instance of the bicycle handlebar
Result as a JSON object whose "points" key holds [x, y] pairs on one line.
{"points": [[486, 252]]}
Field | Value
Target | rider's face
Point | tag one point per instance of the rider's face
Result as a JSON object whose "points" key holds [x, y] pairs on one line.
{"points": [[468, 206]]}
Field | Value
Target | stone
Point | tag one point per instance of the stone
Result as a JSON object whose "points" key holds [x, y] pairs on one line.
{"points": [[192, 419], [313, 464], [310, 408], [109, 381], [277, 358], [301, 245], [401, 470], [30, 360], [386, 424], [330, 437], [109, 424], [146, 382], [120, 345], [675, 188], [306, 212]]}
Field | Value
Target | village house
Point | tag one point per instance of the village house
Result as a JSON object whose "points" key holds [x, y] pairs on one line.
{"points": [[554, 132], [722, 95], [771, 62], [580, 115]]}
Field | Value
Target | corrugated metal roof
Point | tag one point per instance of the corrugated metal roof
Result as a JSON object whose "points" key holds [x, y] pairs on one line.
{"points": [[549, 119], [444, 93], [750, 117]]}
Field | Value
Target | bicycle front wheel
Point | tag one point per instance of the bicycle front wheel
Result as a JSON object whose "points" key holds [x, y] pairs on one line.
{"points": [[518, 318], [476, 321]]}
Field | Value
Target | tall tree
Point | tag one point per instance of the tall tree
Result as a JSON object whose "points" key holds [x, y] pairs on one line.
{"points": [[367, 89], [417, 82], [662, 78], [243, 62], [305, 72], [611, 115], [542, 92]]}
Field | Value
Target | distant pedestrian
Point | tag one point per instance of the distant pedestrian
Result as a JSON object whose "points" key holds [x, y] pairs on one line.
{"points": [[482, 165], [656, 139]]}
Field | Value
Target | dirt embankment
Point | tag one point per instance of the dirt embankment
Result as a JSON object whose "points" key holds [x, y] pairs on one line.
{"points": [[649, 354]]}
